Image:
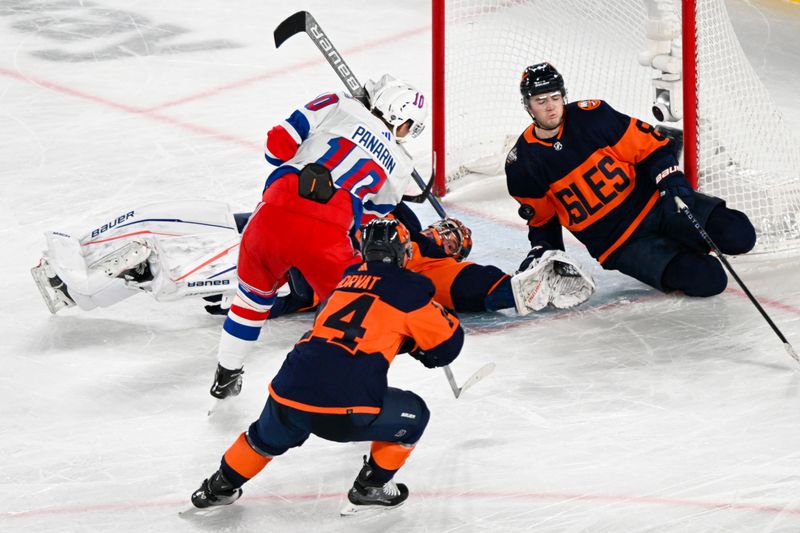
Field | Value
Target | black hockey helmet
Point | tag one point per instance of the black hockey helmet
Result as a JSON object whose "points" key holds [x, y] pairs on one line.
{"points": [[541, 78], [386, 240]]}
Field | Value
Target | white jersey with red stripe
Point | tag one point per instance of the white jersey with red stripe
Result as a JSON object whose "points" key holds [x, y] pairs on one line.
{"points": [[338, 132]]}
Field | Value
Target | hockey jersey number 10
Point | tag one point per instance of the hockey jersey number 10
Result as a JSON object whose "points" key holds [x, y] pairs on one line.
{"points": [[336, 131]]}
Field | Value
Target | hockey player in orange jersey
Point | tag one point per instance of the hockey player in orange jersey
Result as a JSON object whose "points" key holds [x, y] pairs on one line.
{"points": [[611, 181], [334, 384], [440, 254]]}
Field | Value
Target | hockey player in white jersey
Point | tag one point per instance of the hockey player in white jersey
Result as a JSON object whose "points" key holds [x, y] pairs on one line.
{"points": [[338, 164]]}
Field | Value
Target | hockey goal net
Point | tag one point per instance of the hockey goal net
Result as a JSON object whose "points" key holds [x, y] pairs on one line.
{"points": [[737, 146]]}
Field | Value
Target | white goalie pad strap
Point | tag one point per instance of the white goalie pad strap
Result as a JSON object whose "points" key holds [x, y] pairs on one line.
{"points": [[531, 288], [570, 284], [122, 259], [195, 265]]}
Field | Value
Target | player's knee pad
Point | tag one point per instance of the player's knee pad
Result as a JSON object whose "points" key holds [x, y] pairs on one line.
{"points": [[409, 409], [731, 231], [423, 415], [695, 275]]}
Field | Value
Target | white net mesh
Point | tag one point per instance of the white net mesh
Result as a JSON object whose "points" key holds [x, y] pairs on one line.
{"points": [[746, 154], [490, 42]]}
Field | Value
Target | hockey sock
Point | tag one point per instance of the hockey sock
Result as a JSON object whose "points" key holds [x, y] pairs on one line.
{"points": [[242, 462], [695, 275], [500, 296], [731, 230], [386, 458]]}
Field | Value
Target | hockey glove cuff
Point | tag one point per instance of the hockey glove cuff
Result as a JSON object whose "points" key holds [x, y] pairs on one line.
{"points": [[535, 253], [671, 182]]}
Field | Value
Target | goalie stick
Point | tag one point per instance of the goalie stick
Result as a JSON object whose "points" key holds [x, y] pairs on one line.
{"points": [[683, 208], [304, 22]]}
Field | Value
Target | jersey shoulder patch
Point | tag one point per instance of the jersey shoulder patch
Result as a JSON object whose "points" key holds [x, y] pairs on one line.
{"points": [[512, 155], [588, 105]]}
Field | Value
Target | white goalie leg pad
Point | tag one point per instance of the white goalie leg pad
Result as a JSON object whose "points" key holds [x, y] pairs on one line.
{"points": [[570, 284], [531, 288]]}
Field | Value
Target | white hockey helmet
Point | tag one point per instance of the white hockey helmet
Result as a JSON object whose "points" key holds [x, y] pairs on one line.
{"points": [[397, 102]]}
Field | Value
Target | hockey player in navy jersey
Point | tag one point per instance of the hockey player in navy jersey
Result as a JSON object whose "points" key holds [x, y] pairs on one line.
{"points": [[611, 181], [333, 384], [336, 160]]}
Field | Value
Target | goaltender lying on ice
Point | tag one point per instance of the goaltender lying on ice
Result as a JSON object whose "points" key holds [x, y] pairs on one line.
{"points": [[190, 248]]}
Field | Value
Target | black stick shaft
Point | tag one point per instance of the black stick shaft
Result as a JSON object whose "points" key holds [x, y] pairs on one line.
{"points": [[304, 22], [685, 210]]}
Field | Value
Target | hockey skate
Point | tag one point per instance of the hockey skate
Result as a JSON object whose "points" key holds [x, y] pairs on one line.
{"points": [[124, 260], [54, 291], [227, 383], [139, 275], [215, 491], [366, 494]]}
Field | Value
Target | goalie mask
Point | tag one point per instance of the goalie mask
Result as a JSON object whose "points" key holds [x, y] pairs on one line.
{"points": [[397, 102], [452, 235], [386, 240]]}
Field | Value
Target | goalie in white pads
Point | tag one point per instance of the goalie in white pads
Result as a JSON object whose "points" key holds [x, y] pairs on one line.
{"points": [[170, 250], [175, 249]]}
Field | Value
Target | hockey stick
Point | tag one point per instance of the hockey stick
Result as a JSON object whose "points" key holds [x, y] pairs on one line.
{"points": [[481, 373], [683, 208], [304, 22]]}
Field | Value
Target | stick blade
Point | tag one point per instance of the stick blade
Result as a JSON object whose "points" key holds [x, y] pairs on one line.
{"points": [[791, 351], [294, 24], [481, 373]]}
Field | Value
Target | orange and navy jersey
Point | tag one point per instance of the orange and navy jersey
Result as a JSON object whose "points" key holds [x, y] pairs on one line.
{"points": [[376, 311], [597, 176], [460, 285]]}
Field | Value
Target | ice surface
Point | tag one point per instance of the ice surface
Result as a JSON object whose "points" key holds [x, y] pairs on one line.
{"points": [[636, 412]]}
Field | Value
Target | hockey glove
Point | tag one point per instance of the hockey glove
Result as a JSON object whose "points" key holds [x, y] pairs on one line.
{"points": [[553, 279], [429, 360], [534, 254], [672, 183]]}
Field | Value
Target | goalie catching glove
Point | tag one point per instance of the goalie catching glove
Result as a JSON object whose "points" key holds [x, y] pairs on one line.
{"points": [[553, 278], [452, 236]]}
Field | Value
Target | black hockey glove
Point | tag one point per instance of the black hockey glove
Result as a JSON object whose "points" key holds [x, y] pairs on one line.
{"points": [[429, 360], [672, 183], [534, 254]]}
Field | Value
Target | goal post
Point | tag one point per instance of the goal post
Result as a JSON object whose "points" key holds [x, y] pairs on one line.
{"points": [[669, 62]]}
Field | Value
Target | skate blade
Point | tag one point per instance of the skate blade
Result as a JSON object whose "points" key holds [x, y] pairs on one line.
{"points": [[361, 510], [220, 405], [215, 406], [52, 299]]}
